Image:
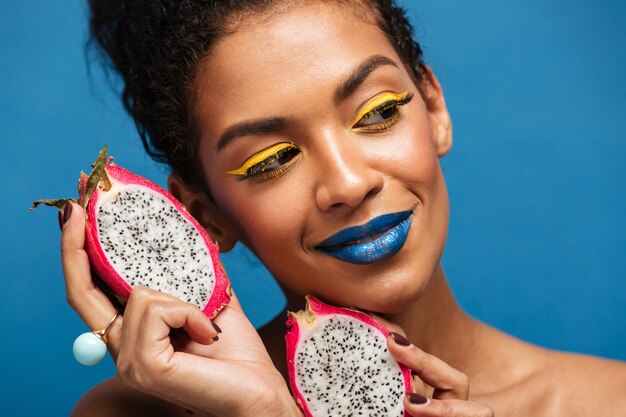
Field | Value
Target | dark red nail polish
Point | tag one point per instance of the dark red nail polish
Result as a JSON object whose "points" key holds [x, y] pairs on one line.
{"points": [[216, 327], [216, 338], [415, 398], [399, 339], [60, 220], [67, 212]]}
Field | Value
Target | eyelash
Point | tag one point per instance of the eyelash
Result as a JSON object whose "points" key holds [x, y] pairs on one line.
{"points": [[258, 171], [387, 123]]}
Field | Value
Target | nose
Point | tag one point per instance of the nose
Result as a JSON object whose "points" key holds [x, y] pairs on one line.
{"points": [[346, 177]]}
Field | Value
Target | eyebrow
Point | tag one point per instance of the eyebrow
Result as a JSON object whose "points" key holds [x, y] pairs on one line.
{"points": [[251, 127], [354, 80], [278, 123]]}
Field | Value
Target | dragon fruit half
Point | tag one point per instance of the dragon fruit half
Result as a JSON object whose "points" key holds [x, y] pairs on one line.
{"points": [[339, 364], [139, 234]]}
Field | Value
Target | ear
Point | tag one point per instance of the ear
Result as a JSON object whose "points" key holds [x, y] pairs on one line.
{"points": [[203, 209], [440, 123]]}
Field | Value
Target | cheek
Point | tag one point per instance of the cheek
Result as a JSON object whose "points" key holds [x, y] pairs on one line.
{"points": [[260, 214], [411, 157], [266, 222], [420, 166], [272, 227], [419, 172]]}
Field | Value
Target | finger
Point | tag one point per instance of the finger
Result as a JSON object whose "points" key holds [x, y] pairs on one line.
{"points": [[238, 332], [91, 304], [417, 383], [448, 382], [134, 315], [148, 354], [137, 311], [419, 406], [234, 329], [176, 315], [199, 327]]}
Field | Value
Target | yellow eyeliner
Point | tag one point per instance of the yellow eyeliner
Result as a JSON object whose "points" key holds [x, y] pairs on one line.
{"points": [[377, 101], [261, 156]]}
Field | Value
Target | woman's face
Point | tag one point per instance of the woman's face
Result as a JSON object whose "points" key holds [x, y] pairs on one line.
{"points": [[331, 92]]}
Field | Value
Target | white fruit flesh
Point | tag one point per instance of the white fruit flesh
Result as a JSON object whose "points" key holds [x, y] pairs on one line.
{"points": [[148, 242], [343, 368]]}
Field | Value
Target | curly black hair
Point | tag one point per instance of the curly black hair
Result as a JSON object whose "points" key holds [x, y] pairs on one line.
{"points": [[157, 45]]}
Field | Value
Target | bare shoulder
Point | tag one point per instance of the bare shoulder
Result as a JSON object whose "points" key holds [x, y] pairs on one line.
{"points": [[603, 378], [114, 398], [585, 385], [525, 380]]}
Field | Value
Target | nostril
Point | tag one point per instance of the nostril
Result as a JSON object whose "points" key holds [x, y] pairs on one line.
{"points": [[334, 194]]}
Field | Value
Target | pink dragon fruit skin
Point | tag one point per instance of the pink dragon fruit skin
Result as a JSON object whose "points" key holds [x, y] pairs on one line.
{"points": [[120, 177], [304, 324]]}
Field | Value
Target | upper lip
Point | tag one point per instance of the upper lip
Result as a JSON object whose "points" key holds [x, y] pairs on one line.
{"points": [[376, 225]]}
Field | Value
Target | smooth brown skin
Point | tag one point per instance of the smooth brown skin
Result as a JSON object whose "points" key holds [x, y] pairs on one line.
{"points": [[290, 64]]}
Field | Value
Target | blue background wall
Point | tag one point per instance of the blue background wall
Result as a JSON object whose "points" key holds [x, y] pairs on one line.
{"points": [[536, 177]]}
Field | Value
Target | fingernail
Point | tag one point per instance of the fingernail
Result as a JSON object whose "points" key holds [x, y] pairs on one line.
{"points": [[399, 339], [216, 327], [216, 338], [415, 398], [67, 212], [60, 220]]}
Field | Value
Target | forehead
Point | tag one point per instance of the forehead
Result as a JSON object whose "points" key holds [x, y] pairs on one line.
{"points": [[269, 61]]}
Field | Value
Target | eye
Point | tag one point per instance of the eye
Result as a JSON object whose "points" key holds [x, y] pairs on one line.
{"points": [[378, 115], [381, 112], [269, 163]]}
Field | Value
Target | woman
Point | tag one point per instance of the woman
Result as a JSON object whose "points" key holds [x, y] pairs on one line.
{"points": [[336, 95]]}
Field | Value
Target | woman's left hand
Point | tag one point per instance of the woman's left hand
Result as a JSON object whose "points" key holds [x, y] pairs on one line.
{"points": [[450, 395]]}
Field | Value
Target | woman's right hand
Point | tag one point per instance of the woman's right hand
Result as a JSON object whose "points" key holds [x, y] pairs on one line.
{"points": [[233, 376]]}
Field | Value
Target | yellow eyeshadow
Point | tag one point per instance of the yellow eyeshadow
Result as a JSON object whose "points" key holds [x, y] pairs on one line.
{"points": [[377, 101], [259, 157]]}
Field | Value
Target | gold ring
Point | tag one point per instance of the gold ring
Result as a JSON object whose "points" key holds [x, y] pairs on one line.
{"points": [[102, 334]]}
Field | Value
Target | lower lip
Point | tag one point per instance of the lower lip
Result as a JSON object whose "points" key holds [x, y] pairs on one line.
{"points": [[384, 247]]}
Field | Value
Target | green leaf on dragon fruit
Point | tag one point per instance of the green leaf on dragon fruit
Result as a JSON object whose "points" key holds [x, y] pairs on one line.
{"points": [[97, 175], [58, 203], [86, 184]]}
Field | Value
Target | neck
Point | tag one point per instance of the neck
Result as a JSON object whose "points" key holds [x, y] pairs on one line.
{"points": [[438, 325]]}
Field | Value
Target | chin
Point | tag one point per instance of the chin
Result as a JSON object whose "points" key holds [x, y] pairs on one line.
{"points": [[396, 300], [389, 293]]}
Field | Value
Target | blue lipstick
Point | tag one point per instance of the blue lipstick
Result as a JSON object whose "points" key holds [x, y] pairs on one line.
{"points": [[373, 241]]}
